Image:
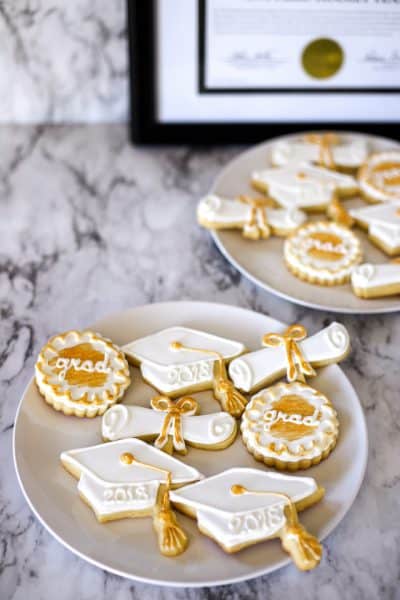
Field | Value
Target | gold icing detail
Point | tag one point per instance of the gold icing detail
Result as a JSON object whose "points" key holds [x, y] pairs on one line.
{"points": [[384, 182], [290, 431], [339, 214], [127, 458], [304, 549], [325, 238], [324, 141], [227, 395], [83, 352], [257, 226], [172, 540], [174, 412], [294, 404], [296, 365]]}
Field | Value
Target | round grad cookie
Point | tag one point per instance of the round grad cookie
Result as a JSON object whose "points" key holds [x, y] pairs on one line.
{"points": [[322, 252], [290, 426], [379, 177], [81, 373]]}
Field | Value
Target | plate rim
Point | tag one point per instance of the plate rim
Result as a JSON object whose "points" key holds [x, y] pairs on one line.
{"points": [[183, 584], [265, 286]]}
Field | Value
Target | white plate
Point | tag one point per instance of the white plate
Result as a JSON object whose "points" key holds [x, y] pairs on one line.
{"points": [[128, 547], [262, 261]]}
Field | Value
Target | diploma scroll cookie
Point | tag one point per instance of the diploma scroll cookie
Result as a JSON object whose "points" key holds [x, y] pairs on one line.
{"points": [[258, 218], [128, 479], [172, 424], [175, 373], [81, 373], [379, 177], [376, 281], [241, 507], [290, 353], [290, 426], [304, 186], [322, 253], [328, 150], [382, 222]]}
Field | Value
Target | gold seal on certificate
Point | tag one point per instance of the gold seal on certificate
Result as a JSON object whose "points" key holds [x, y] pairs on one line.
{"points": [[322, 58]]}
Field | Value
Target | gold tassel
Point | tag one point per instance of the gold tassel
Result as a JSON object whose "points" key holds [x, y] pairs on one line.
{"points": [[304, 549], [231, 400], [172, 540], [339, 214]]}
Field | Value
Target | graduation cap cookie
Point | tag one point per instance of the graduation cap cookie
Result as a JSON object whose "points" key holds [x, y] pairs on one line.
{"points": [[325, 149], [242, 506], [180, 360], [256, 217], [304, 186], [171, 424], [129, 478], [383, 225]]}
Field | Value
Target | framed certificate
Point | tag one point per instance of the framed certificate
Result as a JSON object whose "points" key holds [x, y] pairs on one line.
{"points": [[232, 71]]}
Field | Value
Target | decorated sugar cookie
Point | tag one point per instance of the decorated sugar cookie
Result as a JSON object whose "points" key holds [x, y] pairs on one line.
{"points": [[379, 177], [241, 507], [383, 225], [81, 373], [129, 478], [322, 253], [304, 186], [376, 281], [180, 360], [171, 424], [290, 426], [291, 353], [256, 217], [325, 149]]}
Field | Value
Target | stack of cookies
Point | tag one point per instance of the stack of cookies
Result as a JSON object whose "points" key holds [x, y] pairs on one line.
{"points": [[311, 175]]}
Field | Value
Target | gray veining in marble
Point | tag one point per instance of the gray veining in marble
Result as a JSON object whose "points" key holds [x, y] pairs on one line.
{"points": [[63, 61], [90, 225]]}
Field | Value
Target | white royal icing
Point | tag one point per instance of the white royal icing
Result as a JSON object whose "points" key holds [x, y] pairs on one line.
{"points": [[171, 371], [348, 154], [303, 185], [234, 520], [297, 251], [374, 183], [123, 421], [214, 210], [112, 487], [383, 221], [255, 369], [369, 277], [260, 416]]}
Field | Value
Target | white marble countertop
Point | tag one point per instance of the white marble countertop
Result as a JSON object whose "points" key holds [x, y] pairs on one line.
{"points": [[90, 225]]}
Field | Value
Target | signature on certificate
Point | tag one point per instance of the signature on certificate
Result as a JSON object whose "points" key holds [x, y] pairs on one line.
{"points": [[260, 59]]}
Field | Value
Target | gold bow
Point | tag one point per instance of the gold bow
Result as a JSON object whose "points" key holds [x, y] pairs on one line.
{"points": [[296, 365], [174, 411], [325, 141], [257, 225]]}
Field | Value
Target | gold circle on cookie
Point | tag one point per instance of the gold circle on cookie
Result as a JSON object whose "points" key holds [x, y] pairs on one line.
{"points": [[322, 58]]}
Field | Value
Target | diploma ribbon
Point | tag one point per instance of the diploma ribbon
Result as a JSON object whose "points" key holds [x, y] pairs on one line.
{"points": [[174, 411], [257, 225], [325, 141], [296, 365]]}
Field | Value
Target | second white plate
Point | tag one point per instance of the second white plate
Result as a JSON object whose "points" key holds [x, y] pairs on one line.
{"points": [[262, 261], [128, 547]]}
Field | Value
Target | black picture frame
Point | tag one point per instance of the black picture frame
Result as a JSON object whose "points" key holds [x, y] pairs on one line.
{"points": [[146, 129]]}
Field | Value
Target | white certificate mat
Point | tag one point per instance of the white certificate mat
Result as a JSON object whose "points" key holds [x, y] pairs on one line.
{"points": [[180, 98], [279, 44]]}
